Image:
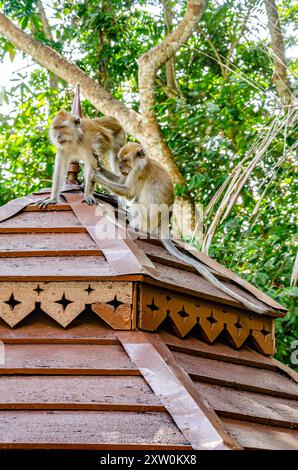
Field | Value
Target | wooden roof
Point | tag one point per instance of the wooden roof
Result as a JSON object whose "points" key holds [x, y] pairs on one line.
{"points": [[65, 235], [90, 387], [78, 370]]}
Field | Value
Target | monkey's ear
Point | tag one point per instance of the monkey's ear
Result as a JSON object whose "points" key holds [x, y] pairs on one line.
{"points": [[77, 120], [141, 153]]}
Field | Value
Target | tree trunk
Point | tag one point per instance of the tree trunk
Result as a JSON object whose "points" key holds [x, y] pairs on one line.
{"points": [[280, 74], [149, 64]]}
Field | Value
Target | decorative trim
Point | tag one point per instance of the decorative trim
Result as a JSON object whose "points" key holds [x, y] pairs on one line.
{"points": [[64, 301], [188, 314]]}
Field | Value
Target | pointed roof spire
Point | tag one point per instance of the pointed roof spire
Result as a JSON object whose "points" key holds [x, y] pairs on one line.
{"points": [[76, 105]]}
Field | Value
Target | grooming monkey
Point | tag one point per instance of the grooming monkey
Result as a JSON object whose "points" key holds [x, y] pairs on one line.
{"points": [[146, 182], [82, 139]]}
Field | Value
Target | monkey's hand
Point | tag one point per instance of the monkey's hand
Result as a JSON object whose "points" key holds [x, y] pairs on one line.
{"points": [[44, 203], [90, 200]]}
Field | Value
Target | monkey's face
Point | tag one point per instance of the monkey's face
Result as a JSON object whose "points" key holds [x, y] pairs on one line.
{"points": [[131, 155], [65, 129]]}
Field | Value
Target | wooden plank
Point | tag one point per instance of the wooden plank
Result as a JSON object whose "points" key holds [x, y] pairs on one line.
{"points": [[41, 329], [51, 207], [41, 219], [237, 376], [212, 263], [257, 436], [87, 428], [75, 390], [195, 419], [43, 253], [139, 407], [65, 357], [194, 284], [42, 230], [104, 447], [71, 267], [218, 351], [158, 254], [249, 406], [45, 242], [70, 371]]}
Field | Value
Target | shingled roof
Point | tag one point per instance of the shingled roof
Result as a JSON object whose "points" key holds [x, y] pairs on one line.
{"points": [[117, 344]]}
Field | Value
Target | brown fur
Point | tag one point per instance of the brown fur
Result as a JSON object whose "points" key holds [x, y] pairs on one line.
{"points": [[89, 140]]}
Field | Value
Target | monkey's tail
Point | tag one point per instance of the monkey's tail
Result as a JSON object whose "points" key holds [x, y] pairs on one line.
{"points": [[171, 248]]}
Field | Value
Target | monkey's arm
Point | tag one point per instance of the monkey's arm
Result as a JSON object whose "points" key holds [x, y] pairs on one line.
{"points": [[108, 174], [58, 178], [113, 186]]}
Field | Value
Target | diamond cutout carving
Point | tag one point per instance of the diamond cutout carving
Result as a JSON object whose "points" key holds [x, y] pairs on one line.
{"points": [[183, 313], [64, 302], [12, 302], [211, 319], [38, 289], [238, 324], [264, 331], [115, 302], [152, 306], [89, 289]]}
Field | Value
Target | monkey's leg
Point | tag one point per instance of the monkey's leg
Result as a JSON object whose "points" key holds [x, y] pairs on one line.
{"points": [[89, 187], [58, 179]]}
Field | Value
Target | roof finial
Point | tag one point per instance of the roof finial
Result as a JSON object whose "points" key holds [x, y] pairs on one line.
{"points": [[76, 105], [74, 167]]}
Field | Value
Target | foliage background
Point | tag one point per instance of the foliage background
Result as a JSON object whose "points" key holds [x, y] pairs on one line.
{"points": [[209, 125]]}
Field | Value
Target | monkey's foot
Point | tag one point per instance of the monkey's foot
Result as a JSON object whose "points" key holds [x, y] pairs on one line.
{"points": [[90, 200], [44, 203]]}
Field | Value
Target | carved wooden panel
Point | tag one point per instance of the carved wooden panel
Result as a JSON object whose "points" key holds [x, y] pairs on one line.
{"points": [[188, 314], [64, 301]]}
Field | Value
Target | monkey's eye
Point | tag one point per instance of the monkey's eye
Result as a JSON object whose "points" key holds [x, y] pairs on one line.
{"points": [[62, 127], [77, 121]]}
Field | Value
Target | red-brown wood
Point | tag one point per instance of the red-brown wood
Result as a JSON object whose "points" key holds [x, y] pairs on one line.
{"points": [[72, 356], [249, 406], [47, 242], [237, 376], [87, 428], [41, 329], [75, 390], [217, 351], [51, 207], [257, 436], [42, 219], [55, 267]]}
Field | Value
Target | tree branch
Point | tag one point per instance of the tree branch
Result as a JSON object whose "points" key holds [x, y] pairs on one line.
{"points": [[215, 50], [53, 79], [172, 83], [51, 60], [280, 75], [240, 34], [149, 64]]}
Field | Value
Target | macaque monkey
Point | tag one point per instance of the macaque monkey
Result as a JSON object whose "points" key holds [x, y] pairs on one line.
{"points": [[82, 139], [146, 182]]}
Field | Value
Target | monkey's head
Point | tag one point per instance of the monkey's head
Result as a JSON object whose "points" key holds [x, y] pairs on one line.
{"points": [[131, 155], [65, 129]]}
